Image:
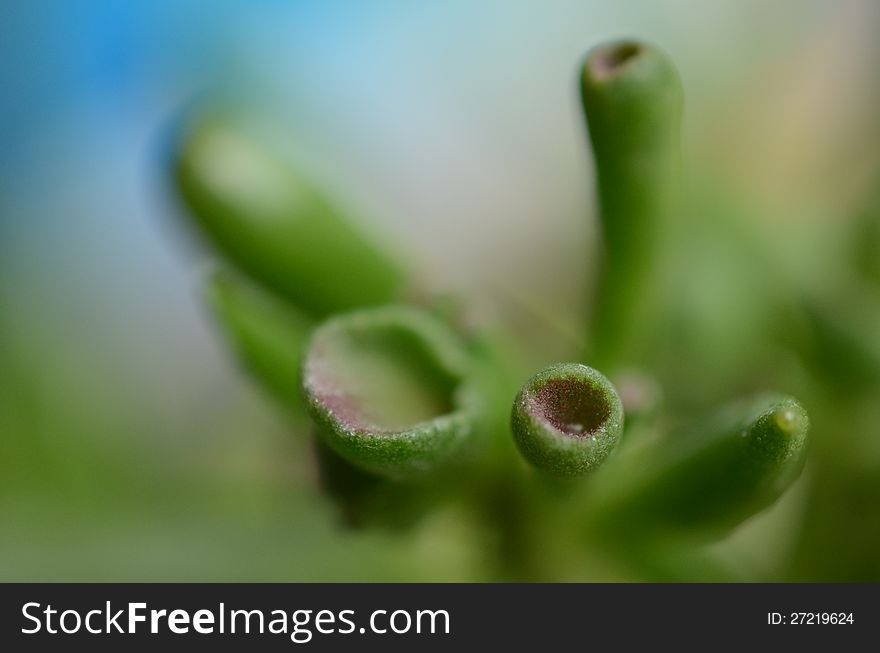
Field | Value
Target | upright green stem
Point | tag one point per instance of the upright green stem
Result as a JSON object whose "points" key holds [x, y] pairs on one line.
{"points": [[632, 100]]}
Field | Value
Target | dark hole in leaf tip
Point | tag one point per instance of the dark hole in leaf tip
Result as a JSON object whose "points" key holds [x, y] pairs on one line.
{"points": [[576, 407], [608, 61]]}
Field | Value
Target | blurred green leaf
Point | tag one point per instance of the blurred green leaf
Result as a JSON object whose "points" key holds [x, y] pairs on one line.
{"points": [[276, 227]]}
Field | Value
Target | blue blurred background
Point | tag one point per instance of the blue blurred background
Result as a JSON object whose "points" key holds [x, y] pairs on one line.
{"points": [[130, 446]]}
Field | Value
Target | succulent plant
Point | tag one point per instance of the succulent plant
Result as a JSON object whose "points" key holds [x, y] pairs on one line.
{"points": [[411, 410]]}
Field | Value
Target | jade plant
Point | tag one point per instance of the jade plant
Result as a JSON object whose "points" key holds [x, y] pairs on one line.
{"points": [[415, 409]]}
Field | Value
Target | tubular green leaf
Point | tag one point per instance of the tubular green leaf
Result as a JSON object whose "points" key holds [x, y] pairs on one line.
{"points": [[268, 336], [276, 227], [709, 479], [632, 100], [567, 419], [389, 389]]}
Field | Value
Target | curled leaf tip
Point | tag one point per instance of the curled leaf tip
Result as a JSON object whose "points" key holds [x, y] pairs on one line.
{"points": [[389, 389], [567, 419]]}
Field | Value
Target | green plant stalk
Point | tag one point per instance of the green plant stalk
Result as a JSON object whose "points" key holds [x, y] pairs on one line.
{"points": [[632, 101], [709, 479], [276, 227]]}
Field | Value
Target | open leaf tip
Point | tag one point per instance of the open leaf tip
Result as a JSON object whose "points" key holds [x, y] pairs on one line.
{"points": [[609, 60], [567, 419], [389, 389]]}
